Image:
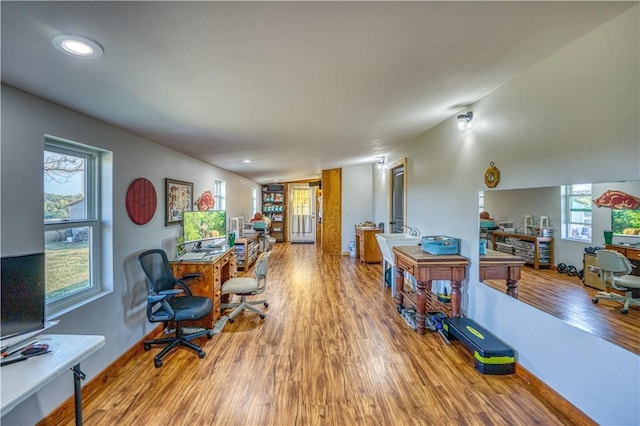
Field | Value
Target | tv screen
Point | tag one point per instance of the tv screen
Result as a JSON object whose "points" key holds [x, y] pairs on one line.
{"points": [[22, 288], [204, 225]]}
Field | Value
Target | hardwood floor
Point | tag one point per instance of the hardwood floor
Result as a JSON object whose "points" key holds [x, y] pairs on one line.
{"points": [[331, 351], [565, 297]]}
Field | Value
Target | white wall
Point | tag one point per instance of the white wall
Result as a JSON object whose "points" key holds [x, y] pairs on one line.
{"points": [[120, 315], [572, 118], [357, 201]]}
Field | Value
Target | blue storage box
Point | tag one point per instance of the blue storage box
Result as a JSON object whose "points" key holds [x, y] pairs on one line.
{"points": [[440, 244], [259, 225]]}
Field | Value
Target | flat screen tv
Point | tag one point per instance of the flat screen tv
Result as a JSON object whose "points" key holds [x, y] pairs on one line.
{"points": [[22, 288], [204, 225]]}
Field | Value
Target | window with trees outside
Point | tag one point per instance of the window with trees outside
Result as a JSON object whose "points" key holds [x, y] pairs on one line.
{"points": [[72, 223], [576, 212]]}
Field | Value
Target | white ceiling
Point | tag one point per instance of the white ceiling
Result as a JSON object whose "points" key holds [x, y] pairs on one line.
{"points": [[298, 87]]}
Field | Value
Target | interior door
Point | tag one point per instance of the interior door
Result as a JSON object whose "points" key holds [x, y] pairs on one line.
{"points": [[397, 198], [302, 213]]}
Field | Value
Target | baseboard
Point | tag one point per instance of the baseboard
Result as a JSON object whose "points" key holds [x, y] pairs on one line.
{"points": [[553, 399], [65, 412]]}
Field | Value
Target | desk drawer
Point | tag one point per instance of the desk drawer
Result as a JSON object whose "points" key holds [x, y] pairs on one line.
{"points": [[405, 264], [633, 254]]}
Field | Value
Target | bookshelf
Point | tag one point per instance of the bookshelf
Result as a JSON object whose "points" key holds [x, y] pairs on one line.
{"points": [[274, 207]]}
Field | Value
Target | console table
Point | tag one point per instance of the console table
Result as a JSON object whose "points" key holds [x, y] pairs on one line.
{"points": [[214, 271], [496, 265], [425, 268], [23, 379]]}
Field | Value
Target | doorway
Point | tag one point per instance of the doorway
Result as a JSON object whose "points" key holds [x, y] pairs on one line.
{"points": [[302, 213], [397, 196]]}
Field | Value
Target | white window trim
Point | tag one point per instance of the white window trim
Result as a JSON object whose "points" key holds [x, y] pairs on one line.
{"points": [[57, 307], [566, 217]]}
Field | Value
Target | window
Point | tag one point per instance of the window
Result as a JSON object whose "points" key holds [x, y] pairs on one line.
{"points": [[218, 194], [71, 223], [576, 212], [254, 201]]}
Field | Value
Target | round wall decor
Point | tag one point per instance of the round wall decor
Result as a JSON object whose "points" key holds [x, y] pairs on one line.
{"points": [[492, 176], [141, 201]]}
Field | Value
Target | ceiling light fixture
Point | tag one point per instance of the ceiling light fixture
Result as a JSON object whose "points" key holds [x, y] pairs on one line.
{"points": [[247, 161], [77, 46], [464, 121], [381, 164]]}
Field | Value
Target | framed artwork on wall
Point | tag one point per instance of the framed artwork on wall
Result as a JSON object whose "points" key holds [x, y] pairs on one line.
{"points": [[178, 199]]}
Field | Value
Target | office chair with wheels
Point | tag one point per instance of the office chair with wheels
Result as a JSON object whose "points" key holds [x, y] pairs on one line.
{"points": [[247, 287], [164, 306], [614, 269]]}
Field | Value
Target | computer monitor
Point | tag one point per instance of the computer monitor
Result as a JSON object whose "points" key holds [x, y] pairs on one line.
{"points": [[204, 225], [22, 293]]}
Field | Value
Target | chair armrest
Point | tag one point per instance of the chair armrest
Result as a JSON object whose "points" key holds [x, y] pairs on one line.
{"points": [[164, 294]]}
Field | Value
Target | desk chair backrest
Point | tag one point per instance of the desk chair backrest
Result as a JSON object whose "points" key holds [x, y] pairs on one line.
{"points": [[260, 271], [612, 264], [156, 267]]}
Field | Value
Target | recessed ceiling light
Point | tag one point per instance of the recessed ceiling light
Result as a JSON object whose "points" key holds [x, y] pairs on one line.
{"points": [[247, 161], [77, 46]]}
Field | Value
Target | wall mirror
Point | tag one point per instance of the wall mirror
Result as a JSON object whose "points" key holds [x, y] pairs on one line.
{"points": [[538, 212]]}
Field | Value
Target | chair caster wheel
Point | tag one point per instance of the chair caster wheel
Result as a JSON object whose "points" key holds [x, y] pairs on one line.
{"points": [[594, 300], [262, 316], [210, 335], [147, 347], [157, 363], [201, 354], [231, 320], [266, 305], [624, 311]]}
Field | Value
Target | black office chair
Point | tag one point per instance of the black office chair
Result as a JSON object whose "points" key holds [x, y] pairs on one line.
{"points": [[164, 306]]}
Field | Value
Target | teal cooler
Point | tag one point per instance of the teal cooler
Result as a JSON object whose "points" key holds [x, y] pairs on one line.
{"points": [[492, 355]]}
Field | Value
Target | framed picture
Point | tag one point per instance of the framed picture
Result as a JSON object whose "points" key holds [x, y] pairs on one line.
{"points": [[178, 199]]}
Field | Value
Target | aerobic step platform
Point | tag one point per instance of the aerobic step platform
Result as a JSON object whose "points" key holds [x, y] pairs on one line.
{"points": [[491, 354]]}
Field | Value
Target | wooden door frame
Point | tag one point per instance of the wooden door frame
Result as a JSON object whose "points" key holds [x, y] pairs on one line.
{"points": [[402, 162]]}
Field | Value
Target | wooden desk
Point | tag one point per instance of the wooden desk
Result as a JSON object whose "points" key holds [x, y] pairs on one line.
{"points": [[367, 249], [23, 379], [630, 252], [496, 265], [215, 270], [425, 268]]}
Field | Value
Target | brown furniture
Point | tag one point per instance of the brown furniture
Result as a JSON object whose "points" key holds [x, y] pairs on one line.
{"points": [[367, 248], [496, 265], [246, 250], [631, 253], [274, 207], [425, 268], [215, 270], [537, 251], [589, 278]]}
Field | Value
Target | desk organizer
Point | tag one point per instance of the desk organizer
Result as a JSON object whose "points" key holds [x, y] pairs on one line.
{"points": [[440, 244]]}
